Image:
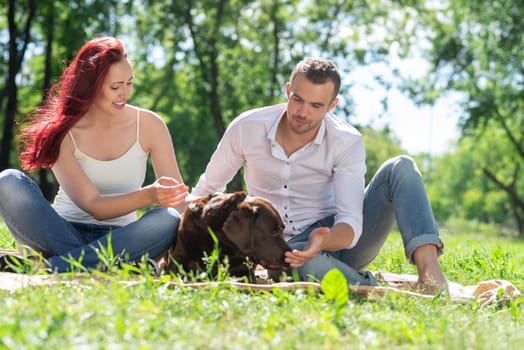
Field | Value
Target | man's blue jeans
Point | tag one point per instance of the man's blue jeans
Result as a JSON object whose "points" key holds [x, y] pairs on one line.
{"points": [[33, 222], [396, 192]]}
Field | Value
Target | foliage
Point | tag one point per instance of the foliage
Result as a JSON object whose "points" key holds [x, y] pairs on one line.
{"points": [[380, 146], [201, 63], [461, 190], [477, 51]]}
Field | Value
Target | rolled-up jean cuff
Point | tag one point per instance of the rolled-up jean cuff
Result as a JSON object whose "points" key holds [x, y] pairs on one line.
{"points": [[421, 240]]}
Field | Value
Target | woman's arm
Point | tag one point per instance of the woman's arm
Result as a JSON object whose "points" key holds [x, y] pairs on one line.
{"points": [[166, 191], [156, 139]]}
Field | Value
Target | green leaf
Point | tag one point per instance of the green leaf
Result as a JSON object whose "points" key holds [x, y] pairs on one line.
{"points": [[334, 286]]}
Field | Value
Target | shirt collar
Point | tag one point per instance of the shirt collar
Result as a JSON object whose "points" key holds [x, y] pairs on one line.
{"points": [[271, 135]]}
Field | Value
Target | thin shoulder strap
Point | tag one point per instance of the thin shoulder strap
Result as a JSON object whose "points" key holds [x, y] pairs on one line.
{"points": [[137, 124], [72, 139]]}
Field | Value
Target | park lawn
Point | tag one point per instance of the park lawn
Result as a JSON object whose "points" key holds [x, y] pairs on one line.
{"points": [[101, 311]]}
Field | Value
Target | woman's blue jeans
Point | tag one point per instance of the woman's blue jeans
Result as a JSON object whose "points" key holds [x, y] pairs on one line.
{"points": [[33, 222], [396, 192]]}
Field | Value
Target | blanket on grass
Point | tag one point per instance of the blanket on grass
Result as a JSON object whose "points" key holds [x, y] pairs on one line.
{"points": [[492, 292]]}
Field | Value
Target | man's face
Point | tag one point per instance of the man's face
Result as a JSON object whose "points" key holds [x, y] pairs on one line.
{"points": [[308, 103]]}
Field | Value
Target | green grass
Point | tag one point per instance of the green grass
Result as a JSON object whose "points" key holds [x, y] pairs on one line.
{"points": [[100, 311]]}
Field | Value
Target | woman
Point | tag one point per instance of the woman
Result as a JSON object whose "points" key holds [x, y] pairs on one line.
{"points": [[97, 147]]}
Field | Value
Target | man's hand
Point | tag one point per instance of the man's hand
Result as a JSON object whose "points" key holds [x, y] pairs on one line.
{"points": [[315, 244]]}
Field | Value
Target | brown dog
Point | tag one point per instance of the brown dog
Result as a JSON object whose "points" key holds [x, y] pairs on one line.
{"points": [[245, 226]]}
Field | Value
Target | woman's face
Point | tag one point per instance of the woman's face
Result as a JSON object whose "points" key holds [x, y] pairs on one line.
{"points": [[116, 88]]}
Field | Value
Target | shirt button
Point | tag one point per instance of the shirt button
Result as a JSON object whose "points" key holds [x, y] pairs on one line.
{"points": [[285, 186]]}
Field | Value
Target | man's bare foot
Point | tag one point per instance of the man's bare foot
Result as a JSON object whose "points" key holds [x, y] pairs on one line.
{"points": [[430, 276]]}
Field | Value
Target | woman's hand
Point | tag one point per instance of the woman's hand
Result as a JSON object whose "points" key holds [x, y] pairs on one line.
{"points": [[168, 192], [315, 244]]}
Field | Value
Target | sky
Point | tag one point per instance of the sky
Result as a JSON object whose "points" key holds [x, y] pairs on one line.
{"points": [[430, 129], [419, 129]]}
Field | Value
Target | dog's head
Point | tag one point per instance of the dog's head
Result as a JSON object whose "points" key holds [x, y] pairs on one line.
{"points": [[255, 227]]}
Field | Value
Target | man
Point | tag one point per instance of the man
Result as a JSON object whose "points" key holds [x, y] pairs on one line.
{"points": [[311, 165]]}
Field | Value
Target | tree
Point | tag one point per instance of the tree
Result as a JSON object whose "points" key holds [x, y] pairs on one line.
{"points": [[478, 50], [217, 65], [19, 39], [461, 190], [40, 24], [224, 57], [380, 146]]}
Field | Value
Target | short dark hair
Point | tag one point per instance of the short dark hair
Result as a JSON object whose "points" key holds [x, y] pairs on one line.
{"points": [[318, 70]]}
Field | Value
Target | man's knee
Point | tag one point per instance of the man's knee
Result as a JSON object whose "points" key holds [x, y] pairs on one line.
{"points": [[405, 164]]}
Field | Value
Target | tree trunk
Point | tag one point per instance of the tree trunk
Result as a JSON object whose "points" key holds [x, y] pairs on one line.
{"points": [[47, 183], [207, 57], [16, 56], [517, 205]]}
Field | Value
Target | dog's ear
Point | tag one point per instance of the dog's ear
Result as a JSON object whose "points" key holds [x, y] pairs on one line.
{"points": [[223, 202], [239, 227], [235, 198]]}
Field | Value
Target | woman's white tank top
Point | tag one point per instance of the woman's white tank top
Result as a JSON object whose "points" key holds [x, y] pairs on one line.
{"points": [[112, 177]]}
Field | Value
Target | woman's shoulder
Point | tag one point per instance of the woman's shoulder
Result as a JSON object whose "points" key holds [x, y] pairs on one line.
{"points": [[67, 143], [144, 113], [147, 118], [151, 126]]}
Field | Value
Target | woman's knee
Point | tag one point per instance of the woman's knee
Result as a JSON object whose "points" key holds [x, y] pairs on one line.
{"points": [[9, 182], [22, 191], [167, 216], [162, 220]]}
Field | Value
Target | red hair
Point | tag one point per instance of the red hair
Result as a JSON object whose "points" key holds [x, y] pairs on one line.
{"points": [[69, 99]]}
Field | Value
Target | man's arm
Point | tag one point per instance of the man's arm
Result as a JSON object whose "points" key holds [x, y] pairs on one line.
{"points": [[223, 165], [338, 237], [348, 187]]}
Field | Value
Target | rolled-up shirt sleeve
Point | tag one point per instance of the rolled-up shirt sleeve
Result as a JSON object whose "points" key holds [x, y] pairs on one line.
{"points": [[348, 186]]}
